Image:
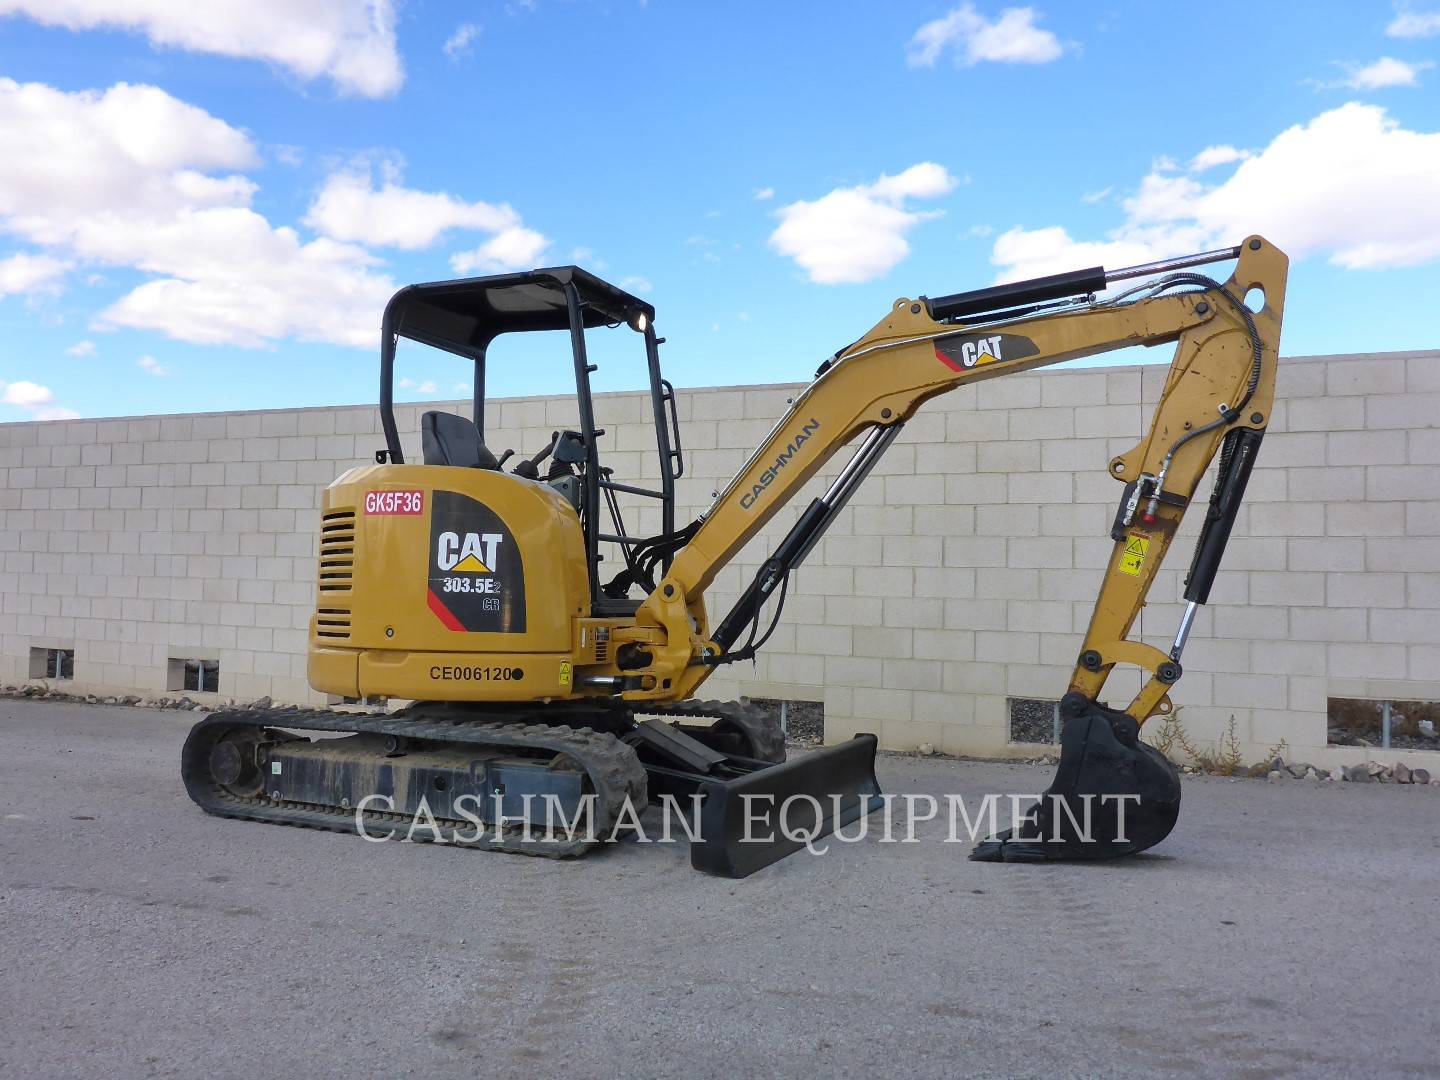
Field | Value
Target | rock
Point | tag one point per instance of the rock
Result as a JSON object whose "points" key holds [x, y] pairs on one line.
{"points": [[1420, 776], [1400, 774], [1337, 775], [130, 699], [1358, 774], [1277, 764], [1299, 769], [1257, 771], [265, 703], [1427, 727], [1275, 775], [925, 748], [1376, 769], [1311, 774]]}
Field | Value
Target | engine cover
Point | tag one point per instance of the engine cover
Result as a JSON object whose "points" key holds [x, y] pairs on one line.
{"points": [[445, 583]]}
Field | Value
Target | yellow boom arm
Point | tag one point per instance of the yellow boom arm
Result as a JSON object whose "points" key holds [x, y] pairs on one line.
{"points": [[1220, 387]]}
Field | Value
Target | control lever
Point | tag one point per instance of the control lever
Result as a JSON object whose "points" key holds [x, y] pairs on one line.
{"points": [[529, 469]]}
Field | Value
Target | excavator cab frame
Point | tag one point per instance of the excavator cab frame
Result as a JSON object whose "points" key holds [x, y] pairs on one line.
{"points": [[464, 316]]}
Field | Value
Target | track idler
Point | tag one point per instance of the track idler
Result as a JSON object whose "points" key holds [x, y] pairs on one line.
{"points": [[1112, 794]]}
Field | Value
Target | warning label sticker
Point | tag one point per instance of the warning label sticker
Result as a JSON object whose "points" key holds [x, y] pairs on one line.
{"points": [[1136, 548]]}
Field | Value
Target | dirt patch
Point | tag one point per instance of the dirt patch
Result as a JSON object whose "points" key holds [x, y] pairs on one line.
{"points": [[1032, 720], [1414, 725]]}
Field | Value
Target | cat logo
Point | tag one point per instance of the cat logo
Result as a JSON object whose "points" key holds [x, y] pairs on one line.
{"points": [[476, 576], [475, 554], [962, 352]]}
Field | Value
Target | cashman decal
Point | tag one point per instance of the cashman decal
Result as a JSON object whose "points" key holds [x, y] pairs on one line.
{"points": [[767, 477], [477, 583], [965, 351]]}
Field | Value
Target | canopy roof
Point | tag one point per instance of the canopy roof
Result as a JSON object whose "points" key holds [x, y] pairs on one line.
{"points": [[463, 316]]}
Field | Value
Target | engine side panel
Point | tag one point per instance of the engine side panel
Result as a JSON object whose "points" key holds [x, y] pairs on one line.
{"points": [[446, 583]]}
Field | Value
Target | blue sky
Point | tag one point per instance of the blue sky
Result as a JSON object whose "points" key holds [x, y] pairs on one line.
{"points": [[205, 209]]}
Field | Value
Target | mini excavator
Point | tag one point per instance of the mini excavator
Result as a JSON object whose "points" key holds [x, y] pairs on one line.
{"points": [[473, 593]]}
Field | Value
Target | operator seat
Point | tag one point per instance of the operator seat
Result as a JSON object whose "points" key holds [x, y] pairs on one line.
{"points": [[448, 439]]}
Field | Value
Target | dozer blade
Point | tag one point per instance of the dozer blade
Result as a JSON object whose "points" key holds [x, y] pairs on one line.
{"points": [[753, 820], [1112, 794]]}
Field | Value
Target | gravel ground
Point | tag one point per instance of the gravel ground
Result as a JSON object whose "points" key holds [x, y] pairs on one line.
{"points": [[1285, 929]]}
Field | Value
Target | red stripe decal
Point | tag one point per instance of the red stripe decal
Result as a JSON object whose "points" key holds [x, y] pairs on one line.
{"points": [[442, 612], [947, 361]]}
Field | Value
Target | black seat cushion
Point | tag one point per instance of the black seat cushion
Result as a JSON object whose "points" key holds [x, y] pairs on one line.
{"points": [[447, 439]]}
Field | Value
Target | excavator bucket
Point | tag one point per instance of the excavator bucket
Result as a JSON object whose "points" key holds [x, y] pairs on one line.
{"points": [[1112, 794]]}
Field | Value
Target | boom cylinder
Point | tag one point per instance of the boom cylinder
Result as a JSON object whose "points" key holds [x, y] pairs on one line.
{"points": [[805, 534]]}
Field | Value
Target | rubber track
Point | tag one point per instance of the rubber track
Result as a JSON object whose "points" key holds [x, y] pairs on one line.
{"points": [[612, 767]]}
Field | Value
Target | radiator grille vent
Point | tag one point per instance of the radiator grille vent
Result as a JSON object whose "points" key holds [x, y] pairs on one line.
{"points": [[602, 645], [332, 623], [337, 552]]}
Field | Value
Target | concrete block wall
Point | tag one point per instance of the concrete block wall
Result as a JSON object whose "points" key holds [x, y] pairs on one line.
{"points": [[961, 575]]}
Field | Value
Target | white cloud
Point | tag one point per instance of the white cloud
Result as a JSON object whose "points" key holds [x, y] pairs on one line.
{"points": [[1383, 74], [1026, 253], [586, 257], [636, 284], [133, 177], [1352, 185], [514, 248], [764, 193], [23, 273], [27, 395], [1093, 197], [288, 154], [426, 387], [350, 41], [858, 234], [34, 399], [82, 348], [152, 366], [462, 41], [1214, 156], [1013, 38], [1414, 24], [351, 208]]}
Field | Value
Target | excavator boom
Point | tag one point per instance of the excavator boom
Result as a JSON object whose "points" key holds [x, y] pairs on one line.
{"points": [[1217, 397]]}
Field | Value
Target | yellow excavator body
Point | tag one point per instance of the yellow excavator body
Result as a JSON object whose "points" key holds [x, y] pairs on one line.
{"points": [[472, 595]]}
